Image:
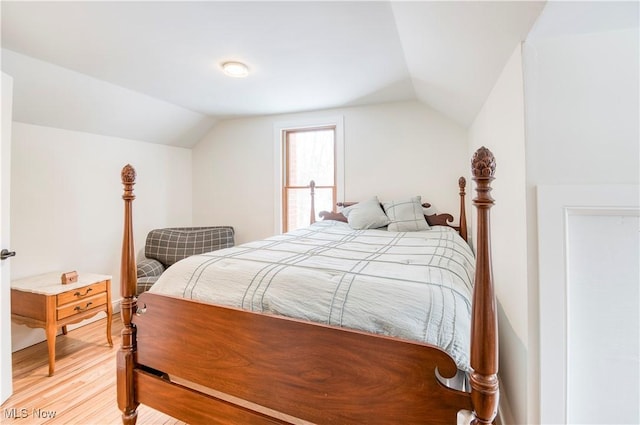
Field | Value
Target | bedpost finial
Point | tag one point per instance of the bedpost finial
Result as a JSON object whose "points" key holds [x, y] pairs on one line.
{"points": [[462, 183], [483, 164], [128, 174]]}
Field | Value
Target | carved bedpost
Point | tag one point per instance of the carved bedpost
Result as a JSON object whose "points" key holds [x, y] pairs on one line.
{"points": [[462, 184], [312, 185], [126, 355], [484, 322]]}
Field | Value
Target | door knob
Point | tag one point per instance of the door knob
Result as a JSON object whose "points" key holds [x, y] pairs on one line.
{"points": [[5, 253]]}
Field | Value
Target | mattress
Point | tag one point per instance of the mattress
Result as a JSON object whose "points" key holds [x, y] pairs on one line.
{"points": [[410, 285]]}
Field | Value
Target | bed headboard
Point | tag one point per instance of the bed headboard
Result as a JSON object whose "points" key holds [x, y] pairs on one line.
{"points": [[443, 219]]}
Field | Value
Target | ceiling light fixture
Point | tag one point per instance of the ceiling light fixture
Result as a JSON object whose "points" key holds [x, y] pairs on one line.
{"points": [[235, 69]]}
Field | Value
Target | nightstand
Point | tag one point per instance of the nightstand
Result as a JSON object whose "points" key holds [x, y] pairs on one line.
{"points": [[44, 302]]}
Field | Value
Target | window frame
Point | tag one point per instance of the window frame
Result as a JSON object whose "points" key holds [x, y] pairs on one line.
{"points": [[280, 130], [286, 181]]}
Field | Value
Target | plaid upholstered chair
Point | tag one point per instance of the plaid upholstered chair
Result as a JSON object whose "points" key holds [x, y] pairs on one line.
{"points": [[167, 246]]}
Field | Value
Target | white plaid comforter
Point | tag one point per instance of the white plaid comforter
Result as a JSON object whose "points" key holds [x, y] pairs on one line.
{"points": [[411, 285]]}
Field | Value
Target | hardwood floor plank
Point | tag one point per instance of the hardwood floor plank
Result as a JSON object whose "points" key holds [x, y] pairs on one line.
{"points": [[83, 388]]}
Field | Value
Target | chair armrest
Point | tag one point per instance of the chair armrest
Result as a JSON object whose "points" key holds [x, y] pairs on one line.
{"points": [[222, 237], [149, 267]]}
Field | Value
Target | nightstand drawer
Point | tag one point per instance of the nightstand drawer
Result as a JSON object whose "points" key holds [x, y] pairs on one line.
{"points": [[78, 307], [81, 293]]}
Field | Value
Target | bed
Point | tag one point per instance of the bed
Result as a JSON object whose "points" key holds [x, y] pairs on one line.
{"points": [[204, 350]]}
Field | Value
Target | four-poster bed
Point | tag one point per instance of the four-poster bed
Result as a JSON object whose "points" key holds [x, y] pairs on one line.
{"points": [[207, 363]]}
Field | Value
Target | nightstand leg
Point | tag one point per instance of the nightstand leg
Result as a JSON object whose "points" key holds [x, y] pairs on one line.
{"points": [[109, 313], [109, 328], [64, 330], [51, 344]]}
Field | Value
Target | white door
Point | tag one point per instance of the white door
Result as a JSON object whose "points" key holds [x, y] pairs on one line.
{"points": [[6, 387], [588, 266]]}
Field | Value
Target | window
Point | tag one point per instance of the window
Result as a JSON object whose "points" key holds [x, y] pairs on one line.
{"points": [[291, 187], [309, 155]]}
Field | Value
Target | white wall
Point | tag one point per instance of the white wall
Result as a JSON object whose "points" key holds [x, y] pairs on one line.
{"points": [[66, 205], [500, 127], [391, 150], [582, 125], [582, 104]]}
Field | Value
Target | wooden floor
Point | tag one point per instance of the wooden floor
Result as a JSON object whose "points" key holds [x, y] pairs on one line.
{"points": [[83, 388]]}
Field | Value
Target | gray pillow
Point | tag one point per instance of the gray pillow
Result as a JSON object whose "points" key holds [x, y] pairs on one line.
{"points": [[366, 215], [406, 215]]}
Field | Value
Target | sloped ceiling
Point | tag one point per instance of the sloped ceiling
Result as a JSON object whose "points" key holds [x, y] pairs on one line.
{"points": [[151, 70]]}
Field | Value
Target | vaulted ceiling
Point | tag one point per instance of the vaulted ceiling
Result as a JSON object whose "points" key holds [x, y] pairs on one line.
{"points": [[151, 70]]}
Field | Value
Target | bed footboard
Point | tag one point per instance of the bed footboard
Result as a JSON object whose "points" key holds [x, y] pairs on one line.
{"points": [[318, 373]]}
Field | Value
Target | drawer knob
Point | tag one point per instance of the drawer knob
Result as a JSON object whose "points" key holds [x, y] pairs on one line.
{"points": [[86, 307], [78, 294]]}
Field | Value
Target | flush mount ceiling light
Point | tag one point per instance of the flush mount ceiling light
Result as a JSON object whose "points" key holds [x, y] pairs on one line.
{"points": [[235, 69]]}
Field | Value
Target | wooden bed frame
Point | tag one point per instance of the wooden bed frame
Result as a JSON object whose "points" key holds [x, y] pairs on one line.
{"points": [[238, 367]]}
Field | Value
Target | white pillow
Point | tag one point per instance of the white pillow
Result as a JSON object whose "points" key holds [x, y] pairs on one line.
{"points": [[366, 215], [406, 215]]}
